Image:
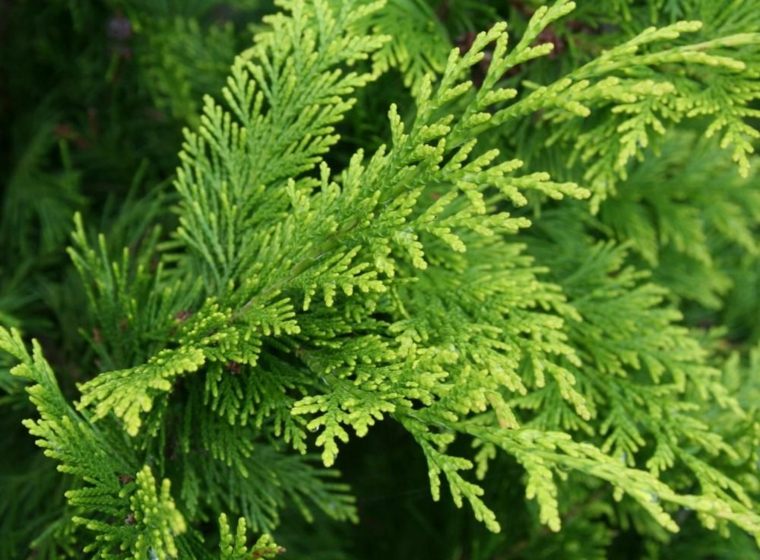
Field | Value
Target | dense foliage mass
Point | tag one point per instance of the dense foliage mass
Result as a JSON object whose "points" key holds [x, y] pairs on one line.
{"points": [[420, 284]]}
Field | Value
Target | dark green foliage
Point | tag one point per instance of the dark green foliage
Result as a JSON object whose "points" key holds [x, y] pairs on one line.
{"points": [[406, 251]]}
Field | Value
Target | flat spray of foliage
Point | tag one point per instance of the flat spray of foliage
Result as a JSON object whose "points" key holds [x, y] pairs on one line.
{"points": [[511, 267]]}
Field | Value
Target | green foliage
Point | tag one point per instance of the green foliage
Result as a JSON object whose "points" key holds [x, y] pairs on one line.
{"points": [[420, 42], [233, 547], [537, 264]]}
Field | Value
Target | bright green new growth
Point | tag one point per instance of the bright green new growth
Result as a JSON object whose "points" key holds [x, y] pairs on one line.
{"points": [[297, 298]]}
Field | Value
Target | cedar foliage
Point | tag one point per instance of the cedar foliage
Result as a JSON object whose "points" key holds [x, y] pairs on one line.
{"points": [[410, 253]]}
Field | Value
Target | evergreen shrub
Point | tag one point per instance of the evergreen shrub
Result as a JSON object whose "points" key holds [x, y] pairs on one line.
{"points": [[436, 279]]}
